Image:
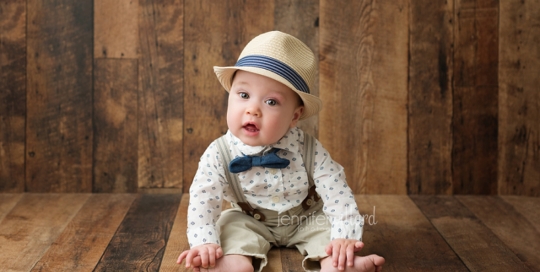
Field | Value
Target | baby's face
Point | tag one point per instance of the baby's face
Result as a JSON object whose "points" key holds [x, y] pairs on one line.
{"points": [[261, 110]]}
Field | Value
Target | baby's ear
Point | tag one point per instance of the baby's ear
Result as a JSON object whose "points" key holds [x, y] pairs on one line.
{"points": [[297, 113]]}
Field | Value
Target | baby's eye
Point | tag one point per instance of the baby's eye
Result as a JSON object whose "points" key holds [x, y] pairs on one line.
{"points": [[244, 95], [271, 102]]}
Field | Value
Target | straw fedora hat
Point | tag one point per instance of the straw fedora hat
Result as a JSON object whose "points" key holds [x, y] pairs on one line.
{"points": [[281, 57]]}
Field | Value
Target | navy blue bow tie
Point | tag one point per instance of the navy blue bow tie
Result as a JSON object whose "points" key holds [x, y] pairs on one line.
{"points": [[270, 160]]}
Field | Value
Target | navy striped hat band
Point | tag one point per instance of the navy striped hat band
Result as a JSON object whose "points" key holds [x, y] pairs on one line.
{"points": [[277, 67]]}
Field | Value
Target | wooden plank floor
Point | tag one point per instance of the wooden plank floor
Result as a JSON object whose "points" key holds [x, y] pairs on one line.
{"points": [[146, 232]]}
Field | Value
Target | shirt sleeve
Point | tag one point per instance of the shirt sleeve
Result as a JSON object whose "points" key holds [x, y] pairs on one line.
{"points": [[339, 203], [206, 199]]}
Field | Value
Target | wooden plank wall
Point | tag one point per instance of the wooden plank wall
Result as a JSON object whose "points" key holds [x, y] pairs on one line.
{"points": [[420, 97], [59, 93], [430, 104], [12, 95], [475, 97], [362, 101], [519, 108]]}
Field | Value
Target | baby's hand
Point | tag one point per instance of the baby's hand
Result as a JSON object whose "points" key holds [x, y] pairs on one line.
{"points": [[342, 251], [207, 253]]}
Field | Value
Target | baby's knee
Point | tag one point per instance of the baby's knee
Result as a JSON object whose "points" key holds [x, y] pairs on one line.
{"points": [[243, 267], [238, 263], [248, 267]]}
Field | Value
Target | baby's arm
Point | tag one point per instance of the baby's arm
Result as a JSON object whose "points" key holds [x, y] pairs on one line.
{"points": [[342, 252], [205, 206], [207, 253]]}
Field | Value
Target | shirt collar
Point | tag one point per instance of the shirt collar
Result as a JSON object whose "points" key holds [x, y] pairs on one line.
{"points": [[289, 142]]}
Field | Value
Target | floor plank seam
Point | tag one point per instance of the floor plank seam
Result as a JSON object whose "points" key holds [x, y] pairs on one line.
{"points": [[439, 232]]}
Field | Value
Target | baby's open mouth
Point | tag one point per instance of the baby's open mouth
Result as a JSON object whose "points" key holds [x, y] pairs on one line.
{"points": [[250, 127]]}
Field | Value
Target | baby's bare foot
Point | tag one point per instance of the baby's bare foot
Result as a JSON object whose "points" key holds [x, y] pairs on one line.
{"points": [[371, 263], [225, 263]]}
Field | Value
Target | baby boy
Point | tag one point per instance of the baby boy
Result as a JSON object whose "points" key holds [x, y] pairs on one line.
{"points": [[284, 187]]}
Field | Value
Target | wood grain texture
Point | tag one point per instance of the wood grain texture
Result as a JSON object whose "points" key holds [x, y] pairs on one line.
{"points": [[275, 261], [509, 225], [7, 202], [300, 18], [215, 34], [33, 225], [519, 99], [291, 260], [430, 97], [363, 85], [85, 238], [178, 241], [475, 125], [12, 95], [59, 96], [389, 71], [475, 243], [69, 232], [115, 126], [396, 229], [140, 241], [529, 207], [161, 93], [116, 29]]}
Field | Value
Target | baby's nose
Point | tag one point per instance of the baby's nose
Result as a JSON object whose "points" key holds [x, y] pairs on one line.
{"points": [[254, 110]]}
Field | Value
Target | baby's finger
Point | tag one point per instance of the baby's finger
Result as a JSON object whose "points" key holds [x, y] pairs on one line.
{"points": [[219, 253], [211, 257], [196, 261], [328, 249], [204, 258], [335, 255], [342, 257], [182, 256], [189, 258], [358, 246], [350, 255]]}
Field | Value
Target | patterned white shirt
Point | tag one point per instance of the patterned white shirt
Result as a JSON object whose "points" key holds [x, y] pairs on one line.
{"points": [[273, 189]]}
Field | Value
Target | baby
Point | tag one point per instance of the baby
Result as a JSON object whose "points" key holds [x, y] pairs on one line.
{"points": [[284, 187]]}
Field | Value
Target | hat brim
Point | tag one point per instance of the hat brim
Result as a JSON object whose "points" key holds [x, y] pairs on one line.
{"points": [[312, 104]]}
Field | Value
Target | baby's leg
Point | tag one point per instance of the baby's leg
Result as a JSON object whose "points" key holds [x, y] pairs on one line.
{"points": [[242, 235], [226, 263], [361, 264]]}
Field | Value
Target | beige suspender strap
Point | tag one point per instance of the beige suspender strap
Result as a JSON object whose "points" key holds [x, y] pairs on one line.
{"points": [[234, 182], [309, 156], [231, 177]]}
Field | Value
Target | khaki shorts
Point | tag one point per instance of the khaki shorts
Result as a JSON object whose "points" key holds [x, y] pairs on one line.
{"points": [[308, 231]]}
